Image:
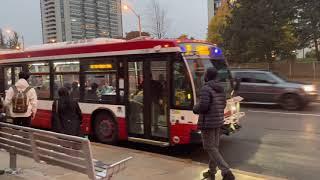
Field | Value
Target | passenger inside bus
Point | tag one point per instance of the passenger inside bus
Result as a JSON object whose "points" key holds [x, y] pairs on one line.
{"points": [[92, 93], [75, 92], [159, 104], [55, 90], [68, 86], [136, 106], [107, 90]]}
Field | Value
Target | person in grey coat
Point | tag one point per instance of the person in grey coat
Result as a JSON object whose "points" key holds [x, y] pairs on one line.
{"points": [[210, 108]]}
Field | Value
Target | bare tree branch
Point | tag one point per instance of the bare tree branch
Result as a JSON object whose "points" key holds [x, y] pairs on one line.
{"points": [[2, 40], [13, 41], [158, 20]]}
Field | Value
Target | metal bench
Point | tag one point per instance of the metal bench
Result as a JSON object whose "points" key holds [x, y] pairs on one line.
{"points": [[66, 151]]}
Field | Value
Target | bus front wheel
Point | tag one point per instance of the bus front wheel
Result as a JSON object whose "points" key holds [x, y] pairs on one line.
{"points": [[105, 129]]}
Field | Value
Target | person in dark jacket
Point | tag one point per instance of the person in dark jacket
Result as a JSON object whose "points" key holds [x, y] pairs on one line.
{"points": [[67, 116], [75, 92], [210, 108]]}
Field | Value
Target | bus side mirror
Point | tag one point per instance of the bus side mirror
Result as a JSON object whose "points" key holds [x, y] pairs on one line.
{"points": [[237, 84]]}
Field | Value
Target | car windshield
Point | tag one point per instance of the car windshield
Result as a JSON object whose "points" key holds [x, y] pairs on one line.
{"points": [[199, 65], [280, 77]]}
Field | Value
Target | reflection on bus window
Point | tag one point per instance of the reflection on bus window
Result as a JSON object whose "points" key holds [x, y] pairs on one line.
{"points": [[39, 68], [136, 81], [100, 87], [159, 98], [7, 78], [41, 83], [17, 70], [198, 67], [64, 80], [66, 66], [40, 79], [181, 85], [75, 91], [136, 107]]}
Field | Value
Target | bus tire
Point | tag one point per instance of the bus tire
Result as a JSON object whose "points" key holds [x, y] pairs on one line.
{"points": [[105, 128]]}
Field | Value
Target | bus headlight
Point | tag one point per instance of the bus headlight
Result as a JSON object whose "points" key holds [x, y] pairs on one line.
{"points": [[309, 88]]}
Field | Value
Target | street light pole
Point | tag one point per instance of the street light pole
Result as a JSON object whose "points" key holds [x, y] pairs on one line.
{"points": [[140, 30], [126, 7]]}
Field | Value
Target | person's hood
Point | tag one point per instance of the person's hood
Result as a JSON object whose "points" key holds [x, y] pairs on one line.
{"points": [[211, 74], [22, 84], [216, 86]]}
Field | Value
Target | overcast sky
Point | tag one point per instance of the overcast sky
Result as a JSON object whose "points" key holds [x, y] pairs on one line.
{"points": [[184, 16]]}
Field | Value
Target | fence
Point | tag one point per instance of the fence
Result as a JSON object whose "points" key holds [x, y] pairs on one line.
{"points": [[293, 70]]}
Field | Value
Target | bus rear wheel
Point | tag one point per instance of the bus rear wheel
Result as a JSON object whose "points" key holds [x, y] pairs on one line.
{"points": [[105, 129]]}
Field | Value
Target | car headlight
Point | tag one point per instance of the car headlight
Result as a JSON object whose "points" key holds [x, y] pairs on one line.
{"points": [[309, 88], [233, 108]]}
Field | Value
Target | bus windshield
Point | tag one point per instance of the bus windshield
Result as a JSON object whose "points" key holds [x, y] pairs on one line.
{"points": [[198, 66]]}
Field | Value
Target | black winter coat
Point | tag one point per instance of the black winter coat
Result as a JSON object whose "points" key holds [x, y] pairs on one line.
{"points": [[66, 120], [211, 106]]}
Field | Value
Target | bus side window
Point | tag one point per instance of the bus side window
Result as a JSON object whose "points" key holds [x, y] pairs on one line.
{"points": [[101, 87], [40, 79], [182, 86], [7, 78]]}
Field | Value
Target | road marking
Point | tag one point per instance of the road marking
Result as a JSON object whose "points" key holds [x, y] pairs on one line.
{"points": [[274, 112]]}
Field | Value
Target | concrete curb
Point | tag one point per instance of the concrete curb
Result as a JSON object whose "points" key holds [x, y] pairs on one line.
{"points": [[189, 161], [260, 176]]}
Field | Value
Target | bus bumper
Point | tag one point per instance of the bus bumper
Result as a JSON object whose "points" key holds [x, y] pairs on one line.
{"points": [[230, 126]]}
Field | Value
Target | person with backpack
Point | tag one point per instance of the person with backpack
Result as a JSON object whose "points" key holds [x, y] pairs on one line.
{"points": [[21, 99], [210, 108], [66, 114]]}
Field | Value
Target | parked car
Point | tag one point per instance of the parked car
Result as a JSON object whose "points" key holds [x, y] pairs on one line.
{"points": [[265, 87]]}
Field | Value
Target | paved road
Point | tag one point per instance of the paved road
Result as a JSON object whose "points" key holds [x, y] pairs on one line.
{"points": [[272, 142], [275, 142]]}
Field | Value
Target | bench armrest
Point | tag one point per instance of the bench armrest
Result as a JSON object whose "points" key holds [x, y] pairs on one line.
{"points": [[106, 171]]}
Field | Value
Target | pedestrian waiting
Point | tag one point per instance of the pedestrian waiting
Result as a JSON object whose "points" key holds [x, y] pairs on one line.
{"points": [[211, 118], [66, 114], [21, 99]]}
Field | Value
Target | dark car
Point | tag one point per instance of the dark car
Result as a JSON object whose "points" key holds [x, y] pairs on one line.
{"points": [[265, 87]]}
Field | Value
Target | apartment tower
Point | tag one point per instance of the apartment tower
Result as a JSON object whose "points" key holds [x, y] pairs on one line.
{"points": [[69, 20]]}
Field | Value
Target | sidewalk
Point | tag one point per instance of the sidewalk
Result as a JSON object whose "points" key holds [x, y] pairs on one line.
{"points": [[143, 166]]}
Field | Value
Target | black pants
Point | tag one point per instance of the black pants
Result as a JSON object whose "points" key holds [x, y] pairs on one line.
{"points": [[22, 121]]}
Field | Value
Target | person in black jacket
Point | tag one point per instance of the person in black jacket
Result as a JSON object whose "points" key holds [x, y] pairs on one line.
{"points": [[67, 116], [210, 108]]}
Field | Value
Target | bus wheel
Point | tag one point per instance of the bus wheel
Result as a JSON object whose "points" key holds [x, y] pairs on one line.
{"points": [[105, 129]]}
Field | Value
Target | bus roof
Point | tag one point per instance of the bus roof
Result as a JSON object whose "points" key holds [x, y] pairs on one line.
{"points": [[90, 48]]}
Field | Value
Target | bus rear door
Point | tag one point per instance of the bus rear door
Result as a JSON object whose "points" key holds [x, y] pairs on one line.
{"points": [[148, 100]]}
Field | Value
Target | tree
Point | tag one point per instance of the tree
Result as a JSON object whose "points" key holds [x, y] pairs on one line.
{"points": [[308, 24], [218, 23], [311, 54], [13, 41], [159, 24], [260, 30], [2, 40], [183, 37], [135, 34]]}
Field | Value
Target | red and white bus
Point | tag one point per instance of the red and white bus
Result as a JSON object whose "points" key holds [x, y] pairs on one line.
{"points": [[140, 90]]}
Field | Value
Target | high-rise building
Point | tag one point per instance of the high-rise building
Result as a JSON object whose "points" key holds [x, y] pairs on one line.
{"points": [[69, 20], [213, 6]]}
